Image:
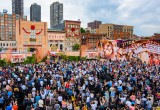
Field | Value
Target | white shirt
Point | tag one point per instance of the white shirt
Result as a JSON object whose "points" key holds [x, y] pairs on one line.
{"points": [[92, 95], [9, 81], [119, 81], [91, 78], [26, 78], [84, 72], [4, 82], [34, 89], [88, 99], [15, 76], [23, 87], [128, 103], [33, 94], [116, 84], [83, 87], [41, 82], [33, 84], [70, 106], [123, 99], [45, 91], [94, 106], [144, 99], [77, 76], [32, 99], [40, 103], [138, 101], [51, 95], [60, 98], [139, 71], [51, 82], [96, 102], [19, 79], [86, 82], [43, 96]]}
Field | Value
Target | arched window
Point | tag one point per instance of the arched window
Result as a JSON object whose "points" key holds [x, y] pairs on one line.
{"points": [[61, 47]]}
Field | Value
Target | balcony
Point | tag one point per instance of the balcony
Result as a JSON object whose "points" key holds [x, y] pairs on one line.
{"points": [[32, 39]]}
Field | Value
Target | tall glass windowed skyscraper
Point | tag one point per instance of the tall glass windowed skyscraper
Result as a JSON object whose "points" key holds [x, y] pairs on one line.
{"points": [[35, 12], [17, 7], [56, 14]]}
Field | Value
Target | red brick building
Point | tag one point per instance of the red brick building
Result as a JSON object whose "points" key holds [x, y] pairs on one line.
{"points": [[72, 29], [89, 42]]}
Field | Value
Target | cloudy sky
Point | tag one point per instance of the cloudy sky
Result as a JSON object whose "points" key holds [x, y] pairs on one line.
{"points": [[144, 15]]}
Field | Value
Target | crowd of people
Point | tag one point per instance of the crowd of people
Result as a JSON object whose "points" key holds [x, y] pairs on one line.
{"points": [[82, 85]]}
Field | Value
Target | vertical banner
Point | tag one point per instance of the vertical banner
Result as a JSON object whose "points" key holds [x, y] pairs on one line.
{"points": [[108, 49]]}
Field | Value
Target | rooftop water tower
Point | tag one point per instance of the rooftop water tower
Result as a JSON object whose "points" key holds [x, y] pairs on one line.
{"points": [[5, 11]]}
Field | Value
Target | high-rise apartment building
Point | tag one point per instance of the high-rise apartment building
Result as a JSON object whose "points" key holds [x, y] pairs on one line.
{"points": [[56, 14], [8, 29], [17, 7], [94, 25], [35, 12], [8, 25], [114, 31]]}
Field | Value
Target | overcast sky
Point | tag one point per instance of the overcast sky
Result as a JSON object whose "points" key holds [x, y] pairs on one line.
{"points": [[144, 15]]}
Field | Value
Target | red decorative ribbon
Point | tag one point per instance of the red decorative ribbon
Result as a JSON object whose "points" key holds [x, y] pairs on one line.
{"points": [[32, 29], [25, 31], [39, 32]]}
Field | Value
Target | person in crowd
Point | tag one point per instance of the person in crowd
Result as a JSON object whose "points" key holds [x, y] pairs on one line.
{"points": [[2, 102]]}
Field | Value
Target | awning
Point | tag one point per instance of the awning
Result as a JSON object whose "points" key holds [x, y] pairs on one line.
{"points": [[17, 56]]}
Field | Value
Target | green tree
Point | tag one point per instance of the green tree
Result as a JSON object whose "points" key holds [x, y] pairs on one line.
{"points": [[0, 49], [83, 58], [73, 58], [30, 60], [75, 47], [83, 31], [3, 63]]}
